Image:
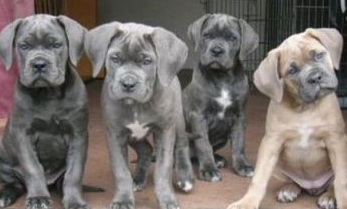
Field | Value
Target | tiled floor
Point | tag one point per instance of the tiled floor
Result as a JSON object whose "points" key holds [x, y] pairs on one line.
{"points": [[205, 195]]}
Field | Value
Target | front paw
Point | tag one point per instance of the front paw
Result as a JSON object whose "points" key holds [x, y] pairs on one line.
{"points": [[168, 203], [243, 169], [210, 174], [139, 183], [122, 205], [327, 201], [185, 179], [288, 193], [71, 202], [39, 203], [243, 204]]}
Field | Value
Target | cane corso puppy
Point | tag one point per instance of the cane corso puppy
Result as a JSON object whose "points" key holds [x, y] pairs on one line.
{"points": [[141, 94], [45, 139], [305, 131], [214, 101]]}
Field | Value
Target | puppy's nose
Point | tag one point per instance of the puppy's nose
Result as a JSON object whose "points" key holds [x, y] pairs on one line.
{"points": [[128, 83], [315, 78], [39, 65], [217, 51]]}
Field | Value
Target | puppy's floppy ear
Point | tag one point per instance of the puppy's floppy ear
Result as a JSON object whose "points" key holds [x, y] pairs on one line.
{"points": [[249, 39], [194, 30], [171, 54], [7, 42], [332, 40], [96, 44], [75, 35], [266, 77]]}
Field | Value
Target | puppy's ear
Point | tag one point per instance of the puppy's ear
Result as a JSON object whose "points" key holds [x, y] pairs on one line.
{"points": [[75, 36], [7, 42], [249, 39], [96, 44], [171, 54], [332, 40], [194, 30], [266, 77]]}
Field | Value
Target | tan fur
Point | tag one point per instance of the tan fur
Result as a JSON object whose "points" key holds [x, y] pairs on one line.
{"points": [[307, 140]]}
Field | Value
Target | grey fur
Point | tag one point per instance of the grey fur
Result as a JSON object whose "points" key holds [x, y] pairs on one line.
{"points": [[214, 101], [46, 136], [141, 91]]}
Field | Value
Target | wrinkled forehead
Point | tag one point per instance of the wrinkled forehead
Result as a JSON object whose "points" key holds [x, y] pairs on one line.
{"points": [[133, 40], [221, 23], [301, 47], [40, 27]]}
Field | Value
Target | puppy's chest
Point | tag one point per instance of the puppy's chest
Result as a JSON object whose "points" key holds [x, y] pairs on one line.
{"points": [[305, 138], [138, 126], [219, 104]]}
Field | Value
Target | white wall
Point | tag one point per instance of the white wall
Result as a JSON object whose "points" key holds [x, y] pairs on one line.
{"points": [[174, 15]]}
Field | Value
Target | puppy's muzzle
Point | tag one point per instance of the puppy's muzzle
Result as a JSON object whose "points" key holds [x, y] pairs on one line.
{"points": [[128, 83], [217, 51], [320, 78], [39, 65]]}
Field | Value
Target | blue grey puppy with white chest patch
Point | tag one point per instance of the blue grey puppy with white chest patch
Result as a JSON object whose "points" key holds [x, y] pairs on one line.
{"points": [[214, 101], [141, 94], [46, 138]]}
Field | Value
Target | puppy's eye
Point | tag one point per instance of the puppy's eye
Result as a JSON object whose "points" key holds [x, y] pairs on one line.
{"points": [[115, 59], [24, 46], [208, 36], [56, 45], [147, 61], [319, 56], [230, 38], [293, 70]]}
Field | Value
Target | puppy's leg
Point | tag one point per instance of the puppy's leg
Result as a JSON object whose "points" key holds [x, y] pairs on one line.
{"points": [[327, 199], [163, 168], [144, 156], [268, 154], [72, 185], [34, 178], [208, 170], [117, 145], [337, 148], [240, 163], [183, 164]]}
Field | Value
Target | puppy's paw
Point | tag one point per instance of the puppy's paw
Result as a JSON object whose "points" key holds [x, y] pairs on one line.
{"points": [[242, 205], [74, 202], [288, 193], [244, 170], [8, 195], [220, 161], [139, 184], [122, 205], [185, 186], [168, 203], [211, 175], [327, 201], [39, 203]]}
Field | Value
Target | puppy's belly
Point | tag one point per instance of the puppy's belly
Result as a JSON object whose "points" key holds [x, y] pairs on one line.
{"points": [[309, 168]]}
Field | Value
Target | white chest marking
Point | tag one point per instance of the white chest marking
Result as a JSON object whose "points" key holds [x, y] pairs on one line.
{"points": [[138, 130], [305, 134], [224, 100]]}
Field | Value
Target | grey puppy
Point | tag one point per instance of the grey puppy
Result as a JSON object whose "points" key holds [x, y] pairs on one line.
{"points": [[45, 140], [141, 94], [214, 101]]}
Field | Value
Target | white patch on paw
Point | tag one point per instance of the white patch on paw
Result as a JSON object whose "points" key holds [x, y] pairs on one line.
{"points": [[286, 196], [2, 203], [250, 174], [186, 186], [326, 203], [215, 178]]}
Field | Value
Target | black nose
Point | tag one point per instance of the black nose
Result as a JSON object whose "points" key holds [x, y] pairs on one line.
{"points": [[128, 83], [217, 51], [39, 65], [315, 78]]}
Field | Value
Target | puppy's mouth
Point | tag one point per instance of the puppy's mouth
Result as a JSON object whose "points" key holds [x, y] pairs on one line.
{"points": [[215, 65]]}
